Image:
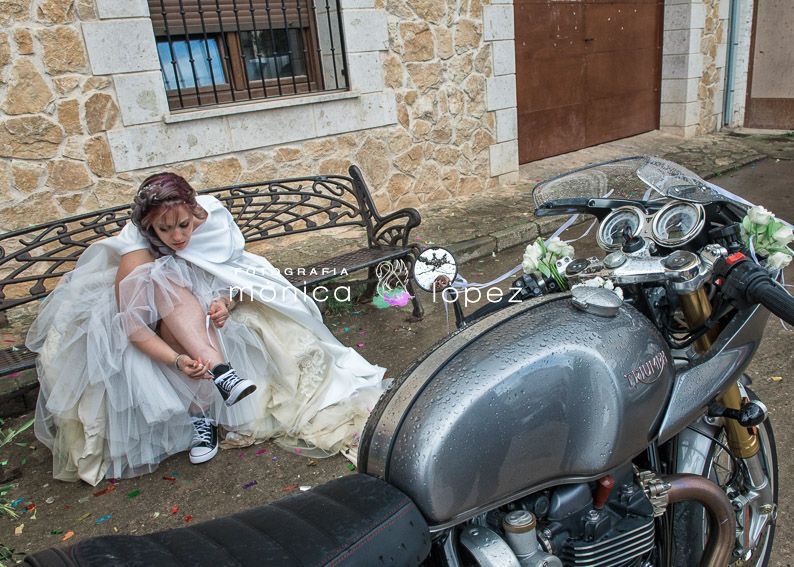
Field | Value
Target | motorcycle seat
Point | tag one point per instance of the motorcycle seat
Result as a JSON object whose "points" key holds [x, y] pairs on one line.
{"points": [[354, 520]]}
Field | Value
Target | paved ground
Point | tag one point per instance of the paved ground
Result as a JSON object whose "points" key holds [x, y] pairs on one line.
{"points": [[478, 227]]}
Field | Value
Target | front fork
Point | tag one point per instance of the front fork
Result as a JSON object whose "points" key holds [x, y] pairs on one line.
{"points": [[743, 441]]}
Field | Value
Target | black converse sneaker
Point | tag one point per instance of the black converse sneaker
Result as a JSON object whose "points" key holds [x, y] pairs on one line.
{"points": [[230, 385], [205, 440]]}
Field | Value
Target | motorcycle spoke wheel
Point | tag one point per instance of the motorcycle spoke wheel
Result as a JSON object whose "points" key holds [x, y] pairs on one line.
{"points": [[690, 524]]}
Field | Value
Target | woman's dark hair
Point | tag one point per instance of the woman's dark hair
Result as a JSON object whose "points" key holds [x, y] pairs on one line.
{"points": [[159, 193]]}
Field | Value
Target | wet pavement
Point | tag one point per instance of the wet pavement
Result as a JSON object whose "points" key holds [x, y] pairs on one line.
{"points": [[480, 228]]}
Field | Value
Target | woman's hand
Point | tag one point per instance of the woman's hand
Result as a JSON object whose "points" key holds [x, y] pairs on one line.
{"points": [[219, 311], [195, 369]]}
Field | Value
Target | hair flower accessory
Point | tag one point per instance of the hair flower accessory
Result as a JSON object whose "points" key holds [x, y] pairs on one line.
{"points": [[767, 237], [541, 257]]}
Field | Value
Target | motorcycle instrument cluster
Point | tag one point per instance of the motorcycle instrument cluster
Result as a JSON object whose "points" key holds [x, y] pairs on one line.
{"points": [[675, 224]]}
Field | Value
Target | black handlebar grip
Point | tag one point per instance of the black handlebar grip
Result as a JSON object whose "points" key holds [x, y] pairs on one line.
{"points": [[773, 297]]}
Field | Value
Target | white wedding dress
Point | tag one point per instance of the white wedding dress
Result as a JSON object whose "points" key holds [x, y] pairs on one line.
{"points": [[106, 410]]}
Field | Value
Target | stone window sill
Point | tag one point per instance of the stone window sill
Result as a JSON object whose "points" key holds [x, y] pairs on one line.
{"points": [[241, 108]]}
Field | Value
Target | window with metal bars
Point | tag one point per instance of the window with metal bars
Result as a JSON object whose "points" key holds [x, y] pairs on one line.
{"points": [[221, 51]]}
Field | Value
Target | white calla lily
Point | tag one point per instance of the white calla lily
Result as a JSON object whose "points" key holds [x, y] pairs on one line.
{"points": [[560, 248], [778, 260], [759, 215], [783, 235]]}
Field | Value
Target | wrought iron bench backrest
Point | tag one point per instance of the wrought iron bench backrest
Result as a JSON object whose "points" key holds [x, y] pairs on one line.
{"points": [[39, 255]]}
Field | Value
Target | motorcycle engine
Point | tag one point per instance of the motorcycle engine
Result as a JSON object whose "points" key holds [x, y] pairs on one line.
{"points": [[608, 523]]}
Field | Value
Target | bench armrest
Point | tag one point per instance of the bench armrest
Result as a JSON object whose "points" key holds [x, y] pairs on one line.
{"points": [[394, 228], [390, 230]]}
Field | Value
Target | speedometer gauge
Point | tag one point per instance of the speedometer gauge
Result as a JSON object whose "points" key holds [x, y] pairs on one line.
{"points": [[677, 223], [622, 223]]}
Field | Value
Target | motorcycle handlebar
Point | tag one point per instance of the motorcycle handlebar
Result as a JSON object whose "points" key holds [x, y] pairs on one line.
{"points": [[774, 298], [747, 283]]}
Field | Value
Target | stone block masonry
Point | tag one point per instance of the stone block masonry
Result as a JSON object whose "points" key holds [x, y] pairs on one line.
{"points": [[84, 117]]}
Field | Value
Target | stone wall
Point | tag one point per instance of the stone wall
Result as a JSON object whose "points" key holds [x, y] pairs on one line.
{"points": [[693, 65], [55, 115]]}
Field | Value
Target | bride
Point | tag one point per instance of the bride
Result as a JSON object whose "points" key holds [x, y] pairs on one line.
{"points": [[168, 330]]}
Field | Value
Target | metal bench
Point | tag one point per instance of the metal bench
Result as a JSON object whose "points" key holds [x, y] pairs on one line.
{"points": [[33, 259]]}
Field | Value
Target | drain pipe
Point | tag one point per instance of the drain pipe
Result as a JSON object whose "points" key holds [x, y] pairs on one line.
{"points": [[730, 63], [721, 516]]}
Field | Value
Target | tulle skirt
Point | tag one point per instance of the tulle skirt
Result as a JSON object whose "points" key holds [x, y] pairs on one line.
{"points": [[106, 409]]}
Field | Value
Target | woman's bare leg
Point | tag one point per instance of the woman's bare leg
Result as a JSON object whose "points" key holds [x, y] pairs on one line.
{"points": [[186, 324], [198, 407]]}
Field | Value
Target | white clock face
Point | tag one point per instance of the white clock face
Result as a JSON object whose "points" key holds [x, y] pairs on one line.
{"points": [[432, 264]]}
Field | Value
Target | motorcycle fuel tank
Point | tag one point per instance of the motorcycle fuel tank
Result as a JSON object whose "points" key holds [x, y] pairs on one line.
{"points": [[537, 394]]}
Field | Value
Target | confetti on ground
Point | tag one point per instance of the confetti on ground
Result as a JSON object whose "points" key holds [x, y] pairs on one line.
{"points": [[311, 464], [777, 378], [261, 452], [274, 458], [115, 529], [351, 467], [56, 532], [290, 488], [3, 463], [33, 515], [360, 345], [305, 488], [174, 509], [17, 502], [30, 507], [133, 493], [156, 515], [188, 518], [297, 450], [110, 488], [50, 500], [84, 517], [18, 529], [67, 535], [241, 455], [104, 518], [249, 485], [171, 478], [113, 481], [347, 329], [84, 499]]}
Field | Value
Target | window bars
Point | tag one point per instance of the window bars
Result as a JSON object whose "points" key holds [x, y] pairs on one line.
{"points": [[222, 51]]}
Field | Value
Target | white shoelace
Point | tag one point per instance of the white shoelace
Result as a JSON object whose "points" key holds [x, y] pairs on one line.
{"points": [[202, 430], [228, 379]]}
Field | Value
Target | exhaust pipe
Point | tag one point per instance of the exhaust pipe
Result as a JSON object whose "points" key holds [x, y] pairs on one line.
{"points": [[722, 518]]}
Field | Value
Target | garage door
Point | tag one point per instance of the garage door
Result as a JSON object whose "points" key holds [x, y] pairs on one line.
{"points": [[587, 72], [770, 100]]}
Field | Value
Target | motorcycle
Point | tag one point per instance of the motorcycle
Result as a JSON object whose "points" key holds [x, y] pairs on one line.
{"points": [[564, 424]]}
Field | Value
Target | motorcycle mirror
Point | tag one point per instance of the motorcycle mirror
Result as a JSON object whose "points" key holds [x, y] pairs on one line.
{"points": [[435, 269]]}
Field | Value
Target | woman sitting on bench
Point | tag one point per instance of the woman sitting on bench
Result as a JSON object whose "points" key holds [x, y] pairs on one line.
{"points": [[170, 329]]}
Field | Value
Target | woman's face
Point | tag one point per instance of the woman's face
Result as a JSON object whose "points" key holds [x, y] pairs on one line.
{"points": [[175, 226]]}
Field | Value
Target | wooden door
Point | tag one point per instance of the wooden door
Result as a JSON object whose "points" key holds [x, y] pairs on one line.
{"points": [[587, 72], [770, 89]]}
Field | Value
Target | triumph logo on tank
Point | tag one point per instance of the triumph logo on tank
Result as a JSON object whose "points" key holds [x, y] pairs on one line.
{"points": [[648, 372]]}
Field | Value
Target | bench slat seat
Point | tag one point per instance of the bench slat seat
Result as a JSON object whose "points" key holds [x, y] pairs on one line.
{"points": [[16, 359]]}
